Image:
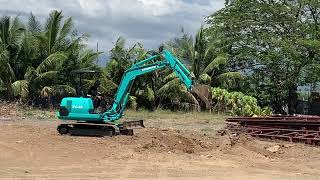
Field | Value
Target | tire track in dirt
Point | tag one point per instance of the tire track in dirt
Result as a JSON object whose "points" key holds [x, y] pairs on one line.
{"points": [[8, 152]]}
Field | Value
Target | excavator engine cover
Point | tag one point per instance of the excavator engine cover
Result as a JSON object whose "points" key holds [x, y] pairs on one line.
{"points": [[78, 108]]}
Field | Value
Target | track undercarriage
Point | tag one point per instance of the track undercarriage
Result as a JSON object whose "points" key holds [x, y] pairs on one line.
{"points": [[98, 129]]}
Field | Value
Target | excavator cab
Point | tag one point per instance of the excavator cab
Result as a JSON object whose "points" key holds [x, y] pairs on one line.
{"points": [[100, 101], [80, 107], [81, 91]]}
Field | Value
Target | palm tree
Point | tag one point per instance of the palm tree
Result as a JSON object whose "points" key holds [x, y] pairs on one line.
{"points": [[173, 94], [48, 55], [6, 71], [209, 64], [121, 58], [45, 73], [10, 33], [37, 59], [56, 35], [194, 51]]}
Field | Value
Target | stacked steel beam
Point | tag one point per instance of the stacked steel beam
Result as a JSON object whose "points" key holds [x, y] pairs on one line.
{"points": [[292, 128]]}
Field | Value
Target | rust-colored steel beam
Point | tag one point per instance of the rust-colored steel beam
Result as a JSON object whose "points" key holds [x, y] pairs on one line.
{"points": [[292, 128]]}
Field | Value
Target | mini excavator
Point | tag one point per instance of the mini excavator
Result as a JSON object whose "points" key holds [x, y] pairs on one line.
{"points": [[78, 115]]}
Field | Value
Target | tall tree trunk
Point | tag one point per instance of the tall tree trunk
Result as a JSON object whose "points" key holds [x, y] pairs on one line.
{"points": [[154, 88], [9, 92], [278, 107], [292, 99]]}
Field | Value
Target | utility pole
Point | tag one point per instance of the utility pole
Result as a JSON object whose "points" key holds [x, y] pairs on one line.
{"points": [[97, 52]]}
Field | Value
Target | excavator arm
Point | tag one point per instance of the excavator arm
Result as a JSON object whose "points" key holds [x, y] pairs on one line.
{"points": [[145, 66]]}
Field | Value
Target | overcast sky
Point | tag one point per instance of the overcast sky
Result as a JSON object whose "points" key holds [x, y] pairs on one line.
{"points": [[148, 21]]}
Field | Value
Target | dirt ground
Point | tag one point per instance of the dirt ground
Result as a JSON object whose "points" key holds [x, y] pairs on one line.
{"points": [[31, 148]]}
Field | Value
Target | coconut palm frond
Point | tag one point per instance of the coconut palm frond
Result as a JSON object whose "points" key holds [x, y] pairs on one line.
{"points": [[52, 29], [34, 26], [63, 90], [107, 86], [149, 93], [231, 79], [58, 91], [163, 91], [20, 88], [87, 58], [46, 92], [204, 78], [66, 29], [133, 102], [49, 75], [216, 63], [172, 89], [30, 73], [170, 77], [52, 62]]}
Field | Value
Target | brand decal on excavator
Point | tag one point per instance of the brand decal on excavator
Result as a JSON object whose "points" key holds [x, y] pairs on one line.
{"points": [[77, 107], [148, 68]]}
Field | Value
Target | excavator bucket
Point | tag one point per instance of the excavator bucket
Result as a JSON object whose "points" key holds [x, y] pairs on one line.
{"points": [[204, 93]]}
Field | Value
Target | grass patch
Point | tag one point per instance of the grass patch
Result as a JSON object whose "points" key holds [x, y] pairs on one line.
{"points": [[40, 114], [203, 117], [200, 117]]}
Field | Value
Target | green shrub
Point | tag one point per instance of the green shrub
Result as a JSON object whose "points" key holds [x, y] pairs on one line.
{"points": [[237, 103]]}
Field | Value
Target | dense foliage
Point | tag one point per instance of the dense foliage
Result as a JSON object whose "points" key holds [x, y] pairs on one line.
{"points": [[236, 103], [254, 53], [36, 59], [275, 43]]}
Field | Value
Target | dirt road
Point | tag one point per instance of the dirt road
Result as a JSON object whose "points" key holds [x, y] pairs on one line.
{"points": [[32, 149]]}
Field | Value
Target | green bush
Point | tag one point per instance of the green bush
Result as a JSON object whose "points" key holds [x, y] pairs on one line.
{"points": [[237, 103]]}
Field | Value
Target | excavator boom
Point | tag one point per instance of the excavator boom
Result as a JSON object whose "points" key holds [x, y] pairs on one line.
{"points": [[143, 67]]}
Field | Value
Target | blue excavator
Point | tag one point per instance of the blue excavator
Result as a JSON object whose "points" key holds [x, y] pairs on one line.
{"points": [[78, 114]]}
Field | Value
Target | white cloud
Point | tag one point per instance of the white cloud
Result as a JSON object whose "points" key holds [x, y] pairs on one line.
{"points": [[93, 8], [148, 21], [161, 7]]}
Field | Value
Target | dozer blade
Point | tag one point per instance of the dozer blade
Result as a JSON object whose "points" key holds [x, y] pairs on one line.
{"points": [[133, 124], [204, 93]]}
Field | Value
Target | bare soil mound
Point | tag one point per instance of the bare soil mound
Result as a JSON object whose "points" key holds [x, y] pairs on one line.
{"points": [[171, 141]]}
